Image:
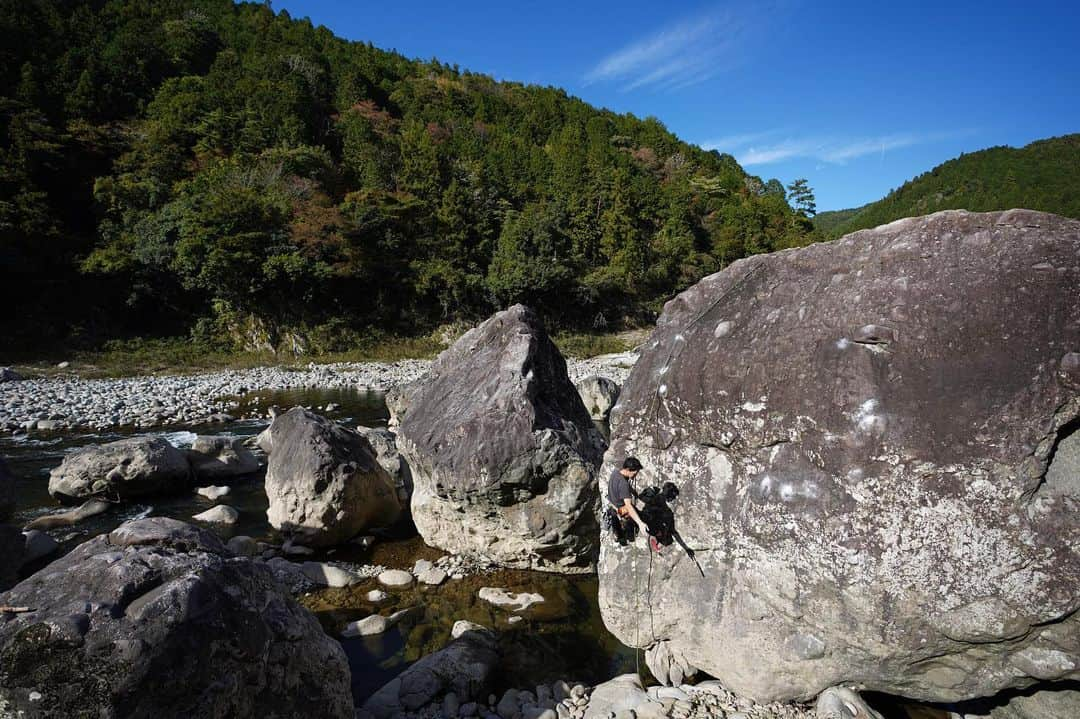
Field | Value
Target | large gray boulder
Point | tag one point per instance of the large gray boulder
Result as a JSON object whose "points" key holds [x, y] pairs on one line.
{"points": [[158, 619], [7, 491], [218, 458], [133, 467], [502, 452], [323, 481], [873, 438], [465, 667]]}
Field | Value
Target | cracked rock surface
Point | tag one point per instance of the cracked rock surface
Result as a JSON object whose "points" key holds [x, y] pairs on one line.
{"points": [[323, 482], [875, 439], [503, 453], [158, 618]]}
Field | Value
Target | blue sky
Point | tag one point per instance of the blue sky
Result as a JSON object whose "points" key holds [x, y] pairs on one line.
{"points": [[854, 96]]}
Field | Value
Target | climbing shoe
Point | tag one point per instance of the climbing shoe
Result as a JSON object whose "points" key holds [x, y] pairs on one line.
{"points": [[653, 544]]}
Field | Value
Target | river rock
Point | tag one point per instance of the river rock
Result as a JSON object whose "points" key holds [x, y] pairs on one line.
{"points": [[433, 577], [502, 451], [89, 508], [7, 491], [451, 705], [323, 481], [366, 627], [12, 549], [508, 600], [218, 458], [328, 575], [599, 395], [463, 625], [243, 546], [221, 514], [213, 492], [867, 434], [621, 694], [384, 442], [158, 619], [290, 575], [127, 468], [509, 706], [465, 667], [395, 578], [38, 546], [1063, 703], [843, 703]]}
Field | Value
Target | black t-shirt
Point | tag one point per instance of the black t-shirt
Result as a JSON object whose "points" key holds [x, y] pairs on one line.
{"points": [[618, 488]]}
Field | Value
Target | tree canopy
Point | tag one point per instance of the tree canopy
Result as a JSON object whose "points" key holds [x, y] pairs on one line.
{"points": [[174, 161]]}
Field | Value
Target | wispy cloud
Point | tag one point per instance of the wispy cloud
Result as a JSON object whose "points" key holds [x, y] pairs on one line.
{"points": [[684, 53], [763, 148], [729, 143]]}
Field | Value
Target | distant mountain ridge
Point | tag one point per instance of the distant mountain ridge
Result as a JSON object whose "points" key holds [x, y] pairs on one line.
{"points": [[1044, 175]]}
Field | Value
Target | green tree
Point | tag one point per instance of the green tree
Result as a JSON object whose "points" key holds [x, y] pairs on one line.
{"points": [[529, 264], [801, 197]]}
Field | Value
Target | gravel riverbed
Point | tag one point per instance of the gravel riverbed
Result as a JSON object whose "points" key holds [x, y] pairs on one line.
{"points": [[70, 402]]}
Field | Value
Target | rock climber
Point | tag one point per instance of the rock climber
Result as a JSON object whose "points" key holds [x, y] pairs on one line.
{"points": [[622, 514]]}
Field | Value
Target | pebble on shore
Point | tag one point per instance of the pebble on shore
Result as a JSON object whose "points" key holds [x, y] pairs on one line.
{"points": [[67, 401]]}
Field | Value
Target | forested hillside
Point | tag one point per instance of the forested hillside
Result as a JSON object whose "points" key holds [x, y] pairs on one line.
{"points": [[1044, 175], [171, 166]]}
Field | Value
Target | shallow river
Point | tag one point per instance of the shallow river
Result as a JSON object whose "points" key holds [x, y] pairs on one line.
{"points": [[563, 638]]}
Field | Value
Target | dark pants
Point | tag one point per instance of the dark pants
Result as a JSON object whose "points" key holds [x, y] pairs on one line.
{"points": [[624, 528]]}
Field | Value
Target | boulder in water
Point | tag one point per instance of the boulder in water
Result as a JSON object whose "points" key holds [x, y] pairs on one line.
{"points": [[213, 493], [89, 508], [220, 514], [324, 482], [216, 458], [464, 667], [502, 452], [38, 546], [127, 468], [158, 619], [599, 395], [873, 441]]}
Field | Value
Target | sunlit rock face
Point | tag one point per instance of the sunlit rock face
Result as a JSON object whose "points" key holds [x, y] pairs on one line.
{"points": [[159, 619], [876, 443], [502, 452]]}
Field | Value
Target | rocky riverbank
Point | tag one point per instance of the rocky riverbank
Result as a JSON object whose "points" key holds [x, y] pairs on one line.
{"points": [[70, 402]]}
